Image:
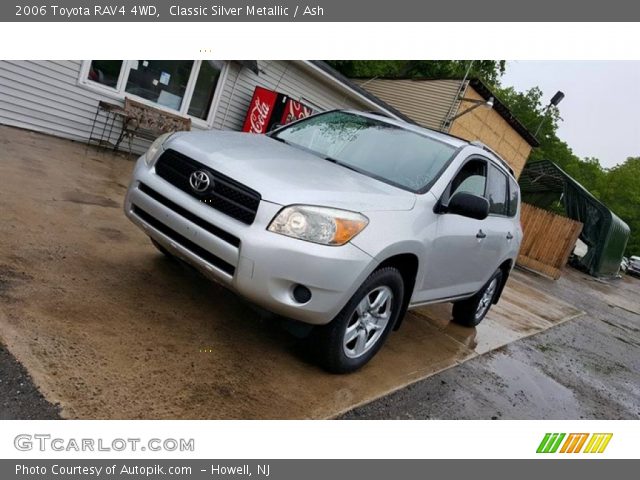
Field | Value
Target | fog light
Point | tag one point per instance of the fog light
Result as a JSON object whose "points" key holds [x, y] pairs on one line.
{"points": [[301, 294]]}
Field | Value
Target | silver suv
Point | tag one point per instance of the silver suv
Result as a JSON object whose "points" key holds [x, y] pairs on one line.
{"points": [[343, 220]]}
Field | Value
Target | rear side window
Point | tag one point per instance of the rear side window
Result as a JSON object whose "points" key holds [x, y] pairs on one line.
{"points": [[513, 198], [497, 191]]}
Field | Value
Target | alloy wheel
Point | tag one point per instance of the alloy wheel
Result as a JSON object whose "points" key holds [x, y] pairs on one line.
{"points": [[368, 322], [487, 298]]}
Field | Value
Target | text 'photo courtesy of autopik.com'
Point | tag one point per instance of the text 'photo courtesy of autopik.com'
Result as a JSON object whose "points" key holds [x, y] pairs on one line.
{"points": [[292, 217]]}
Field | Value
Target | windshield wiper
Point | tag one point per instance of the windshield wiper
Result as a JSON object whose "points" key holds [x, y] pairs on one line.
{"points": [[338, 162], [280, 140]]}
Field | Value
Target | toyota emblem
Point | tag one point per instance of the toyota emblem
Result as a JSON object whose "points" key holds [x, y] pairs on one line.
{"points": [[200, 181]]}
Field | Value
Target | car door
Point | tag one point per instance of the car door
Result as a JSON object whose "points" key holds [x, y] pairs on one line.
{"points": [[456, 263], [499, 227]]}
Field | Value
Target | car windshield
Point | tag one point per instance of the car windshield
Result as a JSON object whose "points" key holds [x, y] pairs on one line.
{"points": [[372, 147]]}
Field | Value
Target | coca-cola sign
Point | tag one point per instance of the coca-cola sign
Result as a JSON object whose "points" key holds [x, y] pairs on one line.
{"points": [[259, 116], [260, 111], [294, 111]]}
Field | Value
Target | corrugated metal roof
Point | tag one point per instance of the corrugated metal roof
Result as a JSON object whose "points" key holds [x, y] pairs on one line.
{"points": [[427, 102]]}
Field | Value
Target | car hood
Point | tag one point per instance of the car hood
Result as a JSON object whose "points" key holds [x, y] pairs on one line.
{"points": [[288, 175]]}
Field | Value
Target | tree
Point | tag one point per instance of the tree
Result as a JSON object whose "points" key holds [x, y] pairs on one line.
{"points": [[620, 191], [528, 108], [618, 188], [489, 71]]}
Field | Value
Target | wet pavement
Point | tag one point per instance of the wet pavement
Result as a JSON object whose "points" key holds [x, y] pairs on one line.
{"points": [[588, 368], [109, 328]]}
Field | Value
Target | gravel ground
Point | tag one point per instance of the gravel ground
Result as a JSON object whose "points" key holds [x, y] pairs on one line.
{"points": [[586, 368], [19, 398]]}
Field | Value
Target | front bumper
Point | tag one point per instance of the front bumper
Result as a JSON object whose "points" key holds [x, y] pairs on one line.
{"points": [[260, 265]]}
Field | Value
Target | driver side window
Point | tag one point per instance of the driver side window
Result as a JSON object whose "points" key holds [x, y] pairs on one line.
{"points": [[472, 178]]}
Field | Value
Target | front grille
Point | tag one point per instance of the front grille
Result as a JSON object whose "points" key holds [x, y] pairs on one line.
{"points": [[185, 242], [218, 232], [228, 196]]}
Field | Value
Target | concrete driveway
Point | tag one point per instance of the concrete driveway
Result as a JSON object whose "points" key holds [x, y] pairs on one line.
{"points": [[109, 328]]}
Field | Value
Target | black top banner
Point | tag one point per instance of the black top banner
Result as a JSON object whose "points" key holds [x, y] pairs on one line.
{"points": [[319, 11]]}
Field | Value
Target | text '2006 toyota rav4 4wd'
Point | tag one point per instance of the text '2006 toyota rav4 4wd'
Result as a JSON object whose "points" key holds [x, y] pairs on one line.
{"points": [[342, 220]]}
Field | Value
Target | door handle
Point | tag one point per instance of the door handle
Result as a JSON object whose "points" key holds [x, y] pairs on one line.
{"points": [[481, 234], [509, 236]]}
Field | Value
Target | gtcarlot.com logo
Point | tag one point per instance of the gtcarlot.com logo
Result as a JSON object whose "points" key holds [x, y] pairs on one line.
{"points": [[45, 442], [574, 443]]}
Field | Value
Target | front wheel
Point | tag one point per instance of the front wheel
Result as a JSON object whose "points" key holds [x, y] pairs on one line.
{"points": [[471, 312], [356, 334]]}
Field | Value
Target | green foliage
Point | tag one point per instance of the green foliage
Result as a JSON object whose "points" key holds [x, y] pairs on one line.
{"points": [[489, 71], [618, 188]]}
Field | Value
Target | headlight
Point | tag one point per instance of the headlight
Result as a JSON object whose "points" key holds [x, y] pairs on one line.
{"points": [[328, 226], [155, 150]]}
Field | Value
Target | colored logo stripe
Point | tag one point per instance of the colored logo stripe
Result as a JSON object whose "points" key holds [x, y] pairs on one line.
{"points": [[574, 443], [598, 442], [550, 443], [595, 442]]}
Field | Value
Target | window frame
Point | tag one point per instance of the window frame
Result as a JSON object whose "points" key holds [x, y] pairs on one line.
{"points": [[446, 195], [119, 93]]}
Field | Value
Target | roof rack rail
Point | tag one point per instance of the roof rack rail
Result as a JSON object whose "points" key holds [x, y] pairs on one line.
{"points": [[484, 146]]}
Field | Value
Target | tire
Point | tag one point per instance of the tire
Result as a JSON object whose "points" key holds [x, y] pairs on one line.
{"points": [[471, 312], [367, 324], [162, 250]]}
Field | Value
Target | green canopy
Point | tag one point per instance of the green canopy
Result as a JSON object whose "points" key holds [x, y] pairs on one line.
{"points": [[547, 186]]}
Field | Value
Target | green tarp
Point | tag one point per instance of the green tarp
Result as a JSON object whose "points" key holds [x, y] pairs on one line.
{"points": [[547, 186]]}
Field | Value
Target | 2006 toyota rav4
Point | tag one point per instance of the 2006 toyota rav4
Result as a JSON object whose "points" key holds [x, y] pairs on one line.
{"points": [[342, 220]]}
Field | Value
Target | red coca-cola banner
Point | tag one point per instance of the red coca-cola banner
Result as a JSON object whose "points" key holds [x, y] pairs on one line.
{"points": [[294, 111], [268, 109], [260, 111]]}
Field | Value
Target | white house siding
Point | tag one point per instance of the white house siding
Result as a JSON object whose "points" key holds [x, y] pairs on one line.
{"points": [[294, 79], [45, 95]]}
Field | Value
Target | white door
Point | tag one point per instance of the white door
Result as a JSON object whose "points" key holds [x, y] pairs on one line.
{"points": [[458, 262], [499, 227]]}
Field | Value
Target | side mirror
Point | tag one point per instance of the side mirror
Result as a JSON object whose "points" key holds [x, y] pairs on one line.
{"points": [[468, 205]]}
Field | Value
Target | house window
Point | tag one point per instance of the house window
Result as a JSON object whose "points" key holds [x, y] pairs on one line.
{"points": [[105, 72], [161, 81], [185, 86], [205, 88]]}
